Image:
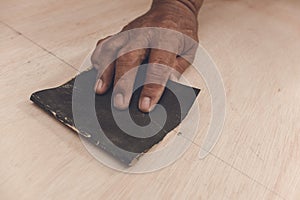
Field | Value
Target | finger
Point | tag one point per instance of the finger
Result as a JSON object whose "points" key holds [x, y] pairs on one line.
{"points": [[158, 73], [104, 80], [190, 50], [125, 72], [185, 59], [103, 60], [101, 86], [180, 65]]}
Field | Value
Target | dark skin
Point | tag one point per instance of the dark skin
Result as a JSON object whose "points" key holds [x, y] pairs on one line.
{"points": [[177, 15]]}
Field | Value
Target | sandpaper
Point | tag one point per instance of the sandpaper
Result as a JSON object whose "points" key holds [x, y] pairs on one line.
{"points": [[92, 115]]}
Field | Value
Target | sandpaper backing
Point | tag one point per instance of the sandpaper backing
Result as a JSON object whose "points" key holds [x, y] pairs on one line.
{"points": [[59, 102]]}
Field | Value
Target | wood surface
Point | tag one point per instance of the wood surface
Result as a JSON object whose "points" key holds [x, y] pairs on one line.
{"points": [[256, 47]]}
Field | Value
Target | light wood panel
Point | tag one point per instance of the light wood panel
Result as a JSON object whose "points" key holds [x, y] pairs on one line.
{"points": [[71, 28], [255, 45]]}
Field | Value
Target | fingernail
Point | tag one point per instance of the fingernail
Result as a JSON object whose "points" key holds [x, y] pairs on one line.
{"points": [[145, 104], [118, 100], [98, 84]]}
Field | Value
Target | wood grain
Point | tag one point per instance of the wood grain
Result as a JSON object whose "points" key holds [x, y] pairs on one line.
{"points": [[256, 47]]}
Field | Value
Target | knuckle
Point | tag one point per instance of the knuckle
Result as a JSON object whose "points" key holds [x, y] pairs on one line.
{"points": [[181, 67], [152, 90], [191, 44], [112, 43], [157, 76], [115, 42], [95, 59], [127, 57], [159, 61], [108, 45], [125, 51], [162, 57], [126, 61]]}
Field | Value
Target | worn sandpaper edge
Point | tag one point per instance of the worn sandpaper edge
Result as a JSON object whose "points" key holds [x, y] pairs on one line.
{"points": [[129, 161]]}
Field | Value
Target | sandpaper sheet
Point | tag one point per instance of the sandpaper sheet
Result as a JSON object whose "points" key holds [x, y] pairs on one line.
{"points": [[59, 102]]}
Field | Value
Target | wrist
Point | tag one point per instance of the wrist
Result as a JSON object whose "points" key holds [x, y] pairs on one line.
{"points": [[193, 6]]}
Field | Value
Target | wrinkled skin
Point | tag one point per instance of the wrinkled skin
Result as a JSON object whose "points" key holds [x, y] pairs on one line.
{"points": [[165, 65]]}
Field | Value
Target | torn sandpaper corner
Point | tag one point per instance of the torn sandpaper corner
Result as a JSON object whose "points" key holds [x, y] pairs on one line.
{"points": [[59, 102]]}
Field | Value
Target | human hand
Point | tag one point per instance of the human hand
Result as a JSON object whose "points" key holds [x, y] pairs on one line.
{"points": [[169, 14]]}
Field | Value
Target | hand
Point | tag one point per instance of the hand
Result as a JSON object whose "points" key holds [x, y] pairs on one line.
{"points": [[171, 14]]}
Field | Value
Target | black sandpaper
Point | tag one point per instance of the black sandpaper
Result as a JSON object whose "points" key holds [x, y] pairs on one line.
{"points": [[125, 147]]}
